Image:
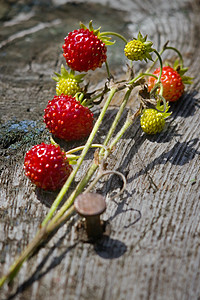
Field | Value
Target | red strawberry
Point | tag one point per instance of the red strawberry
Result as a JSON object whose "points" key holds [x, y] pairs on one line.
{"points": [[67, 119], [47, 166], [173, 86], [84, 49]]}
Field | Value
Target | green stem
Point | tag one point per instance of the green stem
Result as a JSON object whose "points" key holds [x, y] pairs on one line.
{"points": [[82, 147], [155, 61], [126, 125], [94, 166], [107, 69], [178, 52], [115, 34], [118, 115], [158, 82], [161, 89], [80, 187], [121, 109], [161, 64], [141, 75], [150, 74], [81, 158], [72, 157]]}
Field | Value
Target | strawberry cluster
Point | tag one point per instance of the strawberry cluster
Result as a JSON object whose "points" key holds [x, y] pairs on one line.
{"points": [[172, 89], [170, 79], [67, 116]]}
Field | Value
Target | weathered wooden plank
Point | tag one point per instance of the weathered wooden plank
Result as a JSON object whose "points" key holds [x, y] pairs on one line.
{"points": [[153, 249]]}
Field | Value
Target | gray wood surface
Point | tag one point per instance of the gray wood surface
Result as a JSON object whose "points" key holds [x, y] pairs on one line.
{"points": [[153, 251]]}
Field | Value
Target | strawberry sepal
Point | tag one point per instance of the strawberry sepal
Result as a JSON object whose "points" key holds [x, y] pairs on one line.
{"points": [[105, 39]]}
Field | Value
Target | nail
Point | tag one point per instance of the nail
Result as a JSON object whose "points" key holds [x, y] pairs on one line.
{"points": [[91, 206]]}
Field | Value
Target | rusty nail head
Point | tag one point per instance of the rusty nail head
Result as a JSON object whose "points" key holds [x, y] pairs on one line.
{"points": [[91, 206]]}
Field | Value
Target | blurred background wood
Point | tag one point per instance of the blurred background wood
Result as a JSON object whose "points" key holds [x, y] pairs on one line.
{"points": [[153, 249]]}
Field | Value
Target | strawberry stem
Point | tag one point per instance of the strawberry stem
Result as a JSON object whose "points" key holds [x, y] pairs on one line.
{"points": [[140, 76], [107, 69], [69, 202], [178, 52], [117, 117], [82, 147], [161, 64], [156, 59], [127, 124], [150, 74], [115, 34], [94, 166]]}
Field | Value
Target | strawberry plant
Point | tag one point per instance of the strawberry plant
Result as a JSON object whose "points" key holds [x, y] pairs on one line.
{"points": [[68, 116]]}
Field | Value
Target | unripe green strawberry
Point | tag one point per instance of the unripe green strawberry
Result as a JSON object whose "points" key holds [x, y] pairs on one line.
{"points": [[67, 87], [138, 49], [67, 83], [153, 121]]}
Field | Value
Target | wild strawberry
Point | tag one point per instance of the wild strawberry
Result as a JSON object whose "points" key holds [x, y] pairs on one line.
{"points": [[153, 121], [85, 49], [173, 86], [173, 81], [67, 119], [67, 83], [47, 166], [138, 49]]}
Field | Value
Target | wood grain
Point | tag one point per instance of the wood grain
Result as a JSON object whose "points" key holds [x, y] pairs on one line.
{"points": [[153, 251]]}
